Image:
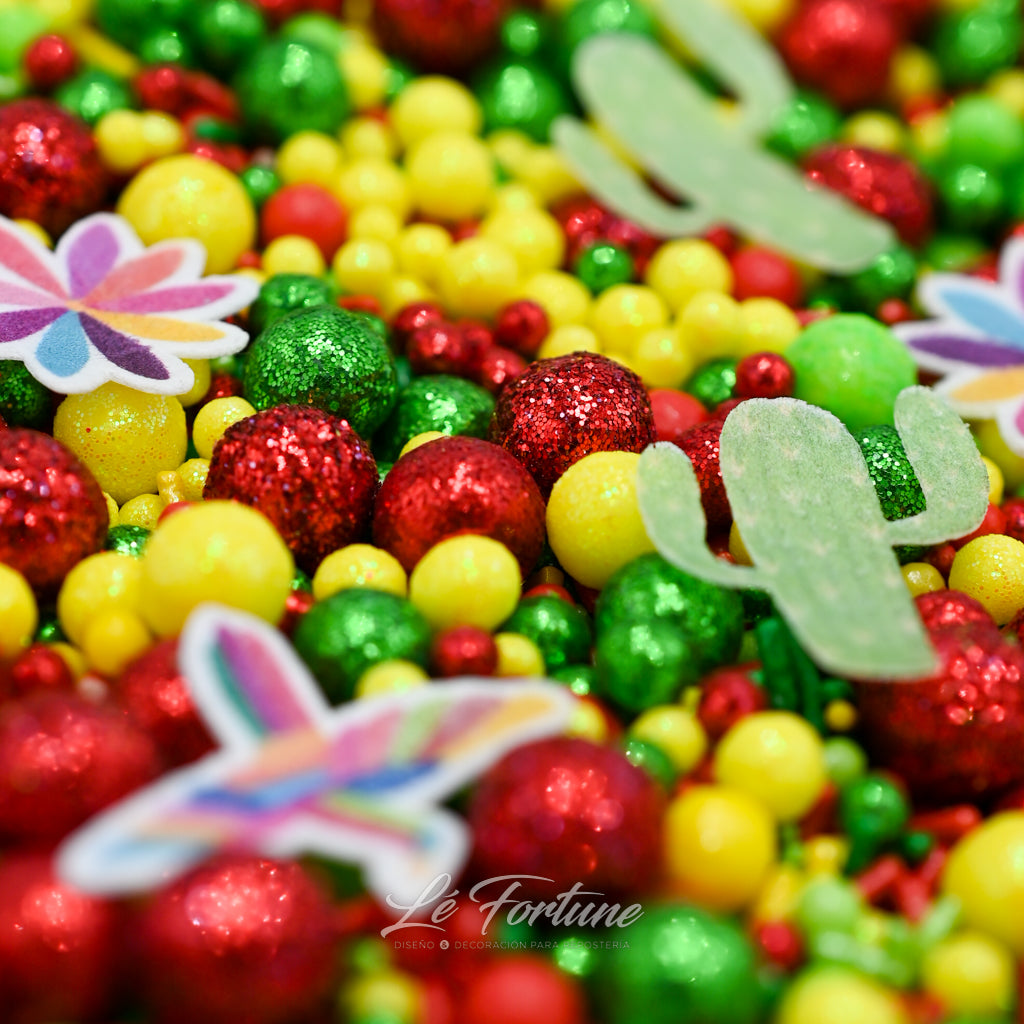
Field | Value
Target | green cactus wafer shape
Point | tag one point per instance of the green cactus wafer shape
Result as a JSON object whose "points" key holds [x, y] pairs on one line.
{"points": [[808, 513]]}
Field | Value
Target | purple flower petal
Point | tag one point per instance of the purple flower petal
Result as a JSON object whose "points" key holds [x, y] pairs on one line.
{"points": [[124, 351], [967, 350], [91, 257], [166, 300], [22, 323]]}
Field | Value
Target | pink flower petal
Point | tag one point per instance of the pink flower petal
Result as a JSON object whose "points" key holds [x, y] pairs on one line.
{"points": [[14, 295], [137, 275], [17, 256]]}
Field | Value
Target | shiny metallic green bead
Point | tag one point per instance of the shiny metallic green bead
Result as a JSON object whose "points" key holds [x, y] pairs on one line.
{"points": [[93, 93], [713, 382], [521, 94], [226, 32], [127, 539], [806, 121], [560, 630], [602, 265]]}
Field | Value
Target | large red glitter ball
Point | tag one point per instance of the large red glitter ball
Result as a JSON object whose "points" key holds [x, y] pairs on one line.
{"points": [[50, 171], [439, 35], [52, 510], [957, 734], [58, 946], [570, 811], [239, 939], [520, 989], [458, 485], [562, 409], [307, 471], [156, 698], [842, 48], [702, 444], [944, 608], [63, 759], [884, 184]]}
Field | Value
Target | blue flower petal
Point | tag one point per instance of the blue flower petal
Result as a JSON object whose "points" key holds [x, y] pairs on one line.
{"points": [[985, 314], [64, 348]]}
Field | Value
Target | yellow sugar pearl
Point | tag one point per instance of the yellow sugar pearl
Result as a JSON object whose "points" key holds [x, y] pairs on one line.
{"points": [[875, 129], [511, 149], [363, 266], [35, 230], [451, 176], [213, 419], [369, 137], [72, 657], [359, 565], [164, 135], [169, 487], [102, 582], [711, 325], [586, 721], [378, 222], [478, 276], [518, 656], [385, 995], [719, 844], [466, 580], [111, 510], [992, 445], [737, 548], [623, 314], [564, 298], [201, 383], [681, 268], [838, 995], [532, 234], [1008, 88], [374, 181], [996, 482], [143, 510], [568, 338], [365, 71], [125, 437], [217, 551], [403, 289], [513, 195], [419, 440], [192, 476], [186, 196], [929, 136], [913, 73], [434, 104], [309, 156], [593, 519], [764, 15], [293, 254], [19, 615], [840, 715], [776, 757], [420, 250], [826, 855], [991, 570], [120, 141], [922, 578], [113, 639], [675, 731], [765, 325], [548, 175], [392, 676], [970, 973], [778, 897], [662, 359]]}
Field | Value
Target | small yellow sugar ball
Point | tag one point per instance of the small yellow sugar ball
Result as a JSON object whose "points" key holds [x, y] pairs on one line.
{"points": [[377, 222], [662, 358], [518, 656], [111, 510], [169, 487], [120, 142], [970, 973], [913, 73], [19, 615], [478, 276], [681, 268], [113, 639], [922, 578], [164, 135], [192, 477], [384, 994], [217, 551], [991, 570], [200, 384], [434, 104], [419, 440], [992, 445], [309, 156], [403, 289], [143, 510], [37, 231], [711, 325], [719, 845], [568, 338], [765, 325], [369, 137], [776, 757], [675, 731], [840, 715], [826, 855], [1007, 87], [593, 519], [125, 437], [996, 483], [420, 250], [363, 266], [875, 129], [548, 175], [623, 314], [392, 676], [587, 721], [374, 181], [778, 897], [764, 15], [533, 235], [451, 176], [359, 565], [838, 995], [511, 148], [185, 196], [72, 657], [514, 195], [365, 71], [102, 582], [467, 580], [564, 298], [293, 254], [213, 419]]}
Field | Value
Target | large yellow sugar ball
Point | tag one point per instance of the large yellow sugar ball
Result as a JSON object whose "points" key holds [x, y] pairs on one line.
{"points": [[105, 582], [839, 995], [18, 613], [971, 973], [991, 570]]}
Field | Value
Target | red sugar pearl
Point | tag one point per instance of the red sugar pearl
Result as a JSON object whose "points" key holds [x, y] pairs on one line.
{"points": [[675, 412], [761, 272], [308, 210], [764, 375], [409, 319], [463, 651], [50, 61], [522, 989], [40, 668], [727, 695], [522, 326]]}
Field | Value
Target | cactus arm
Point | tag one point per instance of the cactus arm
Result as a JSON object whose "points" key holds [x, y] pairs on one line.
{"points": [[948, 467], [669, 499]]}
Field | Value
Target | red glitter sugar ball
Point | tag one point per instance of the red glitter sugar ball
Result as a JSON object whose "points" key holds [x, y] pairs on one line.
{"points": [[570, 811], [522, 326], [764, 375], [40, 668], [463, 651], [887, 185], [307, 471], [50, 171], [702, 444], [58, 946], [941, 609], [49, 61], [443, 348], [842, 48], [1013, 509], [458, 485], [52, 510], [498, 366], [521, 989], [63, 759], [410, 319], [305, 209], [562, 409], [239, 939]]}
